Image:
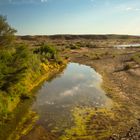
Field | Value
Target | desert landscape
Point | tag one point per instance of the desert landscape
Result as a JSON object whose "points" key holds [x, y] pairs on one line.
{"points": [[69, 70]]}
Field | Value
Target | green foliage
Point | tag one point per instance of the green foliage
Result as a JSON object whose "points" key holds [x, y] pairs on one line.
{"points": [[74, 46], [6, 32], [21, 67], [19, 70], [89, 124], [13, 65], [48, 51], [59, 59]]}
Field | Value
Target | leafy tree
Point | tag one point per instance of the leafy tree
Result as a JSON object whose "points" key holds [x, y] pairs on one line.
{"points": [[6, 32]]}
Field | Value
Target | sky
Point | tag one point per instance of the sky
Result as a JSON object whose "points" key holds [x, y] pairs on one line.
{"points": [[48, 17]]}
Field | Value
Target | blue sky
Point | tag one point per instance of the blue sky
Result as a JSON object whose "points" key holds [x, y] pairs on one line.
{"points": [[31, 17]]}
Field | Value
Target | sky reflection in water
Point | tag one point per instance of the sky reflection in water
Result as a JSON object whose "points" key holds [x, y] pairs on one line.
{"points": [[78, 85]]}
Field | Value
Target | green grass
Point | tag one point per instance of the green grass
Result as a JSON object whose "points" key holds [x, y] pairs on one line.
{"points": [[20, 68], [88, 122]]}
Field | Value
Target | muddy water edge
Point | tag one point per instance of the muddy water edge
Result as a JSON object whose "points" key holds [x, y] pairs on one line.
{"points": [[72, 106], [125, 123]]}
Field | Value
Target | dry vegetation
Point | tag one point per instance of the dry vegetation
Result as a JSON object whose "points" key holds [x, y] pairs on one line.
{"points": [[120, 69]]}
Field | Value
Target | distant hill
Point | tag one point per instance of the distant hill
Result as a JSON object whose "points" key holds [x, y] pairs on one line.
{"points": [[73, 37]]}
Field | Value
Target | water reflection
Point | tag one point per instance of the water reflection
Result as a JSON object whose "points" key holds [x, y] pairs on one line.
{"points": [[127, 46], [79, 85]]}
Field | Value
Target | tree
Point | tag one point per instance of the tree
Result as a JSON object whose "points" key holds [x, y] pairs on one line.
{"points": [[13, 65], [6, 32]]}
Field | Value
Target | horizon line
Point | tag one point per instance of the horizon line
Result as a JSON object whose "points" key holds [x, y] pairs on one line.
{"points": [[74, 34]]}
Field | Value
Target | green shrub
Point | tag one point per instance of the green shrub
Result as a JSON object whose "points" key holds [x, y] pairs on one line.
{"points": [[59, 60], [13, 66], [6, 32], [74, 46], [20, 67], [48, 51]]}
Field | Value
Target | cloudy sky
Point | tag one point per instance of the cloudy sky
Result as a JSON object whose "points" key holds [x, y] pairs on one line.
{"points": [[32, 17]]}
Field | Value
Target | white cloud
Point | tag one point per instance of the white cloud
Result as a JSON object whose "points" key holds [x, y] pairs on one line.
{"points": [[131, 9], [70, 92], [44, 0], [79, 76], [22, 1], [128, 7]]}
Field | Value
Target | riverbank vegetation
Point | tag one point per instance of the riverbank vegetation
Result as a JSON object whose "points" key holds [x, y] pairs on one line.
{"points": [[22, 68]]}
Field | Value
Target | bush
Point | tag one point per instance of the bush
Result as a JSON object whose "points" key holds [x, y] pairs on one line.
{"points": [[20, 67], [59, 60], [74, 46], [13, 65], [6, 32], [48, 51]]}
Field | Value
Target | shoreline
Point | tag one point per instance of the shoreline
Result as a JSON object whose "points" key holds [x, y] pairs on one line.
{"points": [[114, 86], [26, 118], [123, 118], [119, 120]]}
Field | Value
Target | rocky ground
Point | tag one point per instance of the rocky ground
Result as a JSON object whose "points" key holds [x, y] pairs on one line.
{"points": [[123, 81]]}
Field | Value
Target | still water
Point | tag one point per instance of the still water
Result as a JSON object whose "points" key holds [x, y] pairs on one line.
{"points": [[127, 46], [78, 85]]}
